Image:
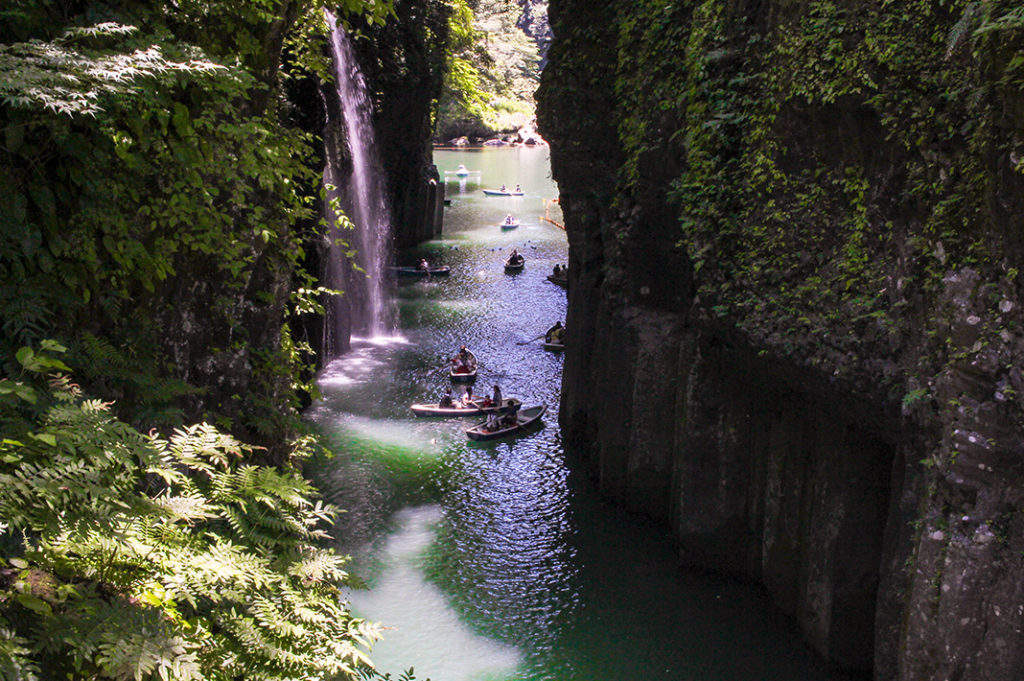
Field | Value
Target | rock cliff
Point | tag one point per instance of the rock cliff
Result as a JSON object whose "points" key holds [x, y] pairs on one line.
{"points": [[403, 62], [794, 250]]}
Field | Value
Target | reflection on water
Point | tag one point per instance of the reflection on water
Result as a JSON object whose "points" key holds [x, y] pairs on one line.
{"points": [[492, 560], [402, 597]]}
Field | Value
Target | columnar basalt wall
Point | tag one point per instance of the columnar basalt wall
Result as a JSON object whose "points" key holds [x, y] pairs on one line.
{"points": [[794, 324]]}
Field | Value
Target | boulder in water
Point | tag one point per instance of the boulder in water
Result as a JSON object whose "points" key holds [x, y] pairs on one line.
{"points": [[530, 137]]}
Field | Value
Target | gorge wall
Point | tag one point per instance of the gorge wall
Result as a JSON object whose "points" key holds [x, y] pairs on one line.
{"points": [[404, 63], [794, 251]]}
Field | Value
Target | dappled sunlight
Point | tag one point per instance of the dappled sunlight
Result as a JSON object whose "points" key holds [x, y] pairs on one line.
{"points": [[359, 364], [422, 628]]}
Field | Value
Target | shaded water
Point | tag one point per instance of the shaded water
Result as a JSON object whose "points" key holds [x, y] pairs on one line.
{"points": [[493, 560]]}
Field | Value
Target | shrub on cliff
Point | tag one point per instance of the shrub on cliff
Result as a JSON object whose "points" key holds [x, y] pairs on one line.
{"points": [[155, 202]]}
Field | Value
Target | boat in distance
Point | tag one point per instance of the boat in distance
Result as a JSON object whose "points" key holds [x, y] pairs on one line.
{"points": [[473, 408], [438, 271], [515, 264], [524, 418], [501, 192], [463, 372]]}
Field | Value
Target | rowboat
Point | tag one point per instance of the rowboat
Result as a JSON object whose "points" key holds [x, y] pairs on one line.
{"points": [[510, 225], [464, 372], [439, 271], [474, 408], [515, 263], [524, 419], [561, 281], [554, 338], [501, 192]]}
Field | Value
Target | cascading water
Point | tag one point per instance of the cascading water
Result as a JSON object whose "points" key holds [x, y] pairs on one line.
{"points": [[365, 307]]}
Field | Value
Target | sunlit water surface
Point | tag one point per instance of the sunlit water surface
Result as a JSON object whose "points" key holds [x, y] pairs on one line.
{"points": [[492, 561]]}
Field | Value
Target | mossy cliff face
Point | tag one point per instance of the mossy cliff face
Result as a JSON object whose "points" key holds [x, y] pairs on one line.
{"points": [[795, 307]]}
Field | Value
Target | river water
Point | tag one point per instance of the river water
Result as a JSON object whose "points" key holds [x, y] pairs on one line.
{"points": [[495, 561]]}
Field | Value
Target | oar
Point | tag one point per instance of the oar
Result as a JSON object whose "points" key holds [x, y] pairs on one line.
{"points": [[531, 340], [434, 371]]}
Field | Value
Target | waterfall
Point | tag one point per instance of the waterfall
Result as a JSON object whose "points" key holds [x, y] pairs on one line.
{"points": [[365, 307]]}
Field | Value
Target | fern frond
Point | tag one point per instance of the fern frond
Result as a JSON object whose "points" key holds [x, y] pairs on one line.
{"points": [[172, 558], [16, 656]]}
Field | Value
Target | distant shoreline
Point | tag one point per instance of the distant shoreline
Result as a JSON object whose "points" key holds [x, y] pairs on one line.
{"points": [[481, 147]]}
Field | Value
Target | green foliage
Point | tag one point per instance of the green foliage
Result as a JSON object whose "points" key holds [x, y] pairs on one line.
{"points": [[834, 169], [146, 557], [66, 77], [155, 202], [492, 71], [155, 199]]}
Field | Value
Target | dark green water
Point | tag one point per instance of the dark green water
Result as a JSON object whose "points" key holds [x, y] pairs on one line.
{"points": [[495, 561]]}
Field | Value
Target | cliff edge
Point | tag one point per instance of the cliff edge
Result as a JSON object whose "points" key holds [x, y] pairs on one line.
{"points": [[794, 247]]}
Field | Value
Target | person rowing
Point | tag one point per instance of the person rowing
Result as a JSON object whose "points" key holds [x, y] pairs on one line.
{"points": [[463, 361], [555, 333]]}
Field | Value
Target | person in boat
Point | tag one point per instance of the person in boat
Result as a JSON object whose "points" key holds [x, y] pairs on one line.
{"points": [[556, 271], [467, 399], [509, 219], [493, 422], [509, 419], [462, 360], [446, 399], [518, 190], [503, 189], [515, 258], [496, 395], [555, 333], [423, 265]]}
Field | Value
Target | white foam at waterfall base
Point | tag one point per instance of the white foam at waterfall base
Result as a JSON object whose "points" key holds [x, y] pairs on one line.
{"points": [[423, 631], [360, 363]]}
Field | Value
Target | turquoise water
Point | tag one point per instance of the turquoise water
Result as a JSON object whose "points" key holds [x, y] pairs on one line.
{"points": [[495, 561]]}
